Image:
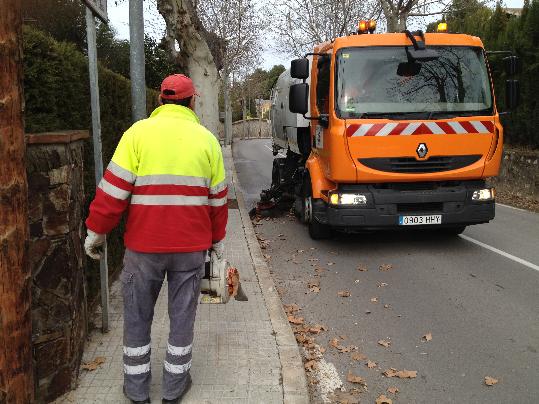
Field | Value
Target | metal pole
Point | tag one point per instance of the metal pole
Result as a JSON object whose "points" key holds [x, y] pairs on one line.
{"points": [[98, 159], [136, 59]]}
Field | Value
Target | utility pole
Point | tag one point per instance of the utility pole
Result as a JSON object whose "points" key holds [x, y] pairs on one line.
{"points": [[16, 375], [136, 59], [98, 155]]}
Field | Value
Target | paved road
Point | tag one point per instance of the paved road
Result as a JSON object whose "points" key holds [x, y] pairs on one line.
{"points": [[478, 295]]}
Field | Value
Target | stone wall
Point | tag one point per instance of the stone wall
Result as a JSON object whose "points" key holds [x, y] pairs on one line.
{"points": [[251, 128], [59, 313], [519, 174]]}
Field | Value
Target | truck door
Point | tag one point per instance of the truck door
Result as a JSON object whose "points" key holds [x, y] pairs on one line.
{"points": [[322, 102]]}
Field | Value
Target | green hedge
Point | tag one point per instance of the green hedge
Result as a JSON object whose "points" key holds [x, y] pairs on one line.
{"points": [[57, 95]]}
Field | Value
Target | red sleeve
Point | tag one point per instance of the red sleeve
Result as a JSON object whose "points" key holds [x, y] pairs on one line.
{"points": [[111, 200], [219, 214]]}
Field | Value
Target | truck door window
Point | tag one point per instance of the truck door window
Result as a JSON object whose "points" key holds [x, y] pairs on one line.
{"points": [[322, 84]]}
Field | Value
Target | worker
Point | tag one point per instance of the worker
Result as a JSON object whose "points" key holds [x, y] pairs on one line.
{"points": [[168, 172]]}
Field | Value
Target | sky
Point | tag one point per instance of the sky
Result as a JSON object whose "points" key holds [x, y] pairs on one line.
{"points": [[155, 26]]}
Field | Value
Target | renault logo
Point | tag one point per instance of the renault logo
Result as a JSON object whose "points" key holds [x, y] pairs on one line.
{"points": [[422, 150]]}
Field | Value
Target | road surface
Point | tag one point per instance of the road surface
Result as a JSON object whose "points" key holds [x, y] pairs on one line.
{"points": [[477, 294]]}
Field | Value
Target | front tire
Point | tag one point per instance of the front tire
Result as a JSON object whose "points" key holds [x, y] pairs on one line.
{"points": [[317, 230]]}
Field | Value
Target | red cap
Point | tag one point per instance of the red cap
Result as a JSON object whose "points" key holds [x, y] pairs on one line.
{"points": [[177, 87]]}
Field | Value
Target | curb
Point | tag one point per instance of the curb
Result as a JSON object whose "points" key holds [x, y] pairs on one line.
{"points": [[293, 375]]}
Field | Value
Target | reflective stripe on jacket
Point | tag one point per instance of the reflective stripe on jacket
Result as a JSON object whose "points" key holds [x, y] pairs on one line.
{"points": [[168, 172]]}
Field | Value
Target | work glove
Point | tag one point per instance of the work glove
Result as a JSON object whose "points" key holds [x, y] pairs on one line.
{"points": [[219, 249], [93, 243]]}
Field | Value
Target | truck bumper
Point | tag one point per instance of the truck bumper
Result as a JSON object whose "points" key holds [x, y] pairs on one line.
{"points": [[385, 207]]}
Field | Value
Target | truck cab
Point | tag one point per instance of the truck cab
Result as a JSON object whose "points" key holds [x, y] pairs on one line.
{"points": [[403, 131]]}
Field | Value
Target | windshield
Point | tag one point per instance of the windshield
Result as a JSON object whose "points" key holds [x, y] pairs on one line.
{"points": [[383, 81]]}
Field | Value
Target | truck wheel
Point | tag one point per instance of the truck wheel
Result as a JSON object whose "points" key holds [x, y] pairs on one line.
{"points": [[317, 230]]}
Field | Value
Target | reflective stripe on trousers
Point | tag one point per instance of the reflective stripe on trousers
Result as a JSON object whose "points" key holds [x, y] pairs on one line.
{"points": [[142, 277]]}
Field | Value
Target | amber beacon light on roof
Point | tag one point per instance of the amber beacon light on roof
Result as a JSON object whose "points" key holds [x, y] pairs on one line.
{"points": [[366, 26]]}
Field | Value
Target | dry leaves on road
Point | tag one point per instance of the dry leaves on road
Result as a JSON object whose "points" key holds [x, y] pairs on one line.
{"points": [[330, 264], [358, 356], [314, 285], [401, 374], [385, 267], [490, 381], [310, 366], [295, 320], [387, 306], [344, 293], [93, 365], [382, 284], [335, 343], [362, 268], [382, 399], [374, 300], [352, 378], [317, 328], [291, 308], [427, 337], [371, 364], [384, 343], [344, 397], [392, 390]]}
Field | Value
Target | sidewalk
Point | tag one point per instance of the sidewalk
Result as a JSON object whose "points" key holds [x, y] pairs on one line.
{"points": [[243, 352]]}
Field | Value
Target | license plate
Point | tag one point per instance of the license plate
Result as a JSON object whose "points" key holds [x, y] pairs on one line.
{"points": [[420, 220]]}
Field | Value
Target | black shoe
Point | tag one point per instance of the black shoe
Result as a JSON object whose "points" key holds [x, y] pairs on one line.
{"points": [[178, 400], [147, 401]]}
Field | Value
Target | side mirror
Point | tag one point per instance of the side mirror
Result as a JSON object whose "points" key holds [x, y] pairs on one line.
{"points": [[298, 98], [512, 94], [299, 69], [512, 65]]}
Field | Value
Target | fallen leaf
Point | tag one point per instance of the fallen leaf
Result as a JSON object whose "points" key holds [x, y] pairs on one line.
{"points": [[371, 364], [344, 397], [344, 293], [374, 300], [384, 343], [313, 259], [300, 251], [392, 390], [352, 378], [401, 374], [387, 306], [331, 263], [334, 342], [490, 381], [267, 257], [382, 399], [385, 267], [322, 349], [368, 312], [358, 356], [295, 320], [319, 270], [93, 365], [362, 268], [314, 286], [317, 328], [310, 366], [427, 337], [290, 308], [345, 349], [382, 284]]}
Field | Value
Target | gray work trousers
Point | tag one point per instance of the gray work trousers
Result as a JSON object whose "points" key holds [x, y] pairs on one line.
{"points": [[142, 277]]}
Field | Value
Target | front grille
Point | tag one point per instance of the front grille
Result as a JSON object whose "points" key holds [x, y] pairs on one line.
{"points": [[411, 165], [420, 207]]}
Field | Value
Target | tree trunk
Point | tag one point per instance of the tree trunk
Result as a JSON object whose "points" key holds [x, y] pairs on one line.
{"points": [[16, 385], [244, 116], [194, 56], [228, 107]]}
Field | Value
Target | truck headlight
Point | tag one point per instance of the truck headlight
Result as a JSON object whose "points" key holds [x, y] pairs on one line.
{"points": [[347, 199], [486, 194]]}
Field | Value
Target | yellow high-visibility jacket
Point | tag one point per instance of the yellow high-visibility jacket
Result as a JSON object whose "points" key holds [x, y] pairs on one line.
{"points": [[168, 172]]}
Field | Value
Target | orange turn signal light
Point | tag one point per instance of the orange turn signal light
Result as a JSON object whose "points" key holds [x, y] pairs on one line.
{"points": [[372, 26]]}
